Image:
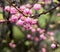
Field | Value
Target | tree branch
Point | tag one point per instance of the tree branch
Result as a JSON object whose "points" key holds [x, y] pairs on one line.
{"points": [[16, 8], [37, 15], [34, 16]]}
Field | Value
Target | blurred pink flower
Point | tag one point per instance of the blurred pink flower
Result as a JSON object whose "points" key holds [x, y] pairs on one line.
{"points": [[12, 45], [38, 29], [33, 30], [13, 10], [20, 23], [37, 7], [22, 7], [28, 20], [42, 31], [36, 39], [27, 26], [27, 11], [51, 38], [34, 21], [43, 49], [7, 8], [13, 19], [42, 37], [28, 5], [58, 14], [28, 36], [53, 45], [50, 33]]}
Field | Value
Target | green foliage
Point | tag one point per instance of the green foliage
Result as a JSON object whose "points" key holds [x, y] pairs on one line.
{"points": [[54, 16], [57, 50], [42, 20], [30, 1], [40, 11], [27, 43], [1, 16], [6, 49], [17, 33], [57, 36]]}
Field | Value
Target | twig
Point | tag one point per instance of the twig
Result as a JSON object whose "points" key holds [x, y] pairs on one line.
{"points": [[3, 21], [37, 15], [16, 8]]}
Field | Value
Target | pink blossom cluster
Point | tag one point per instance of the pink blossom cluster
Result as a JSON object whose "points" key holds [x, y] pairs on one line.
{"points": [[29, 24], [12, 45], [24, 8], [26, 23], [11, 9]]}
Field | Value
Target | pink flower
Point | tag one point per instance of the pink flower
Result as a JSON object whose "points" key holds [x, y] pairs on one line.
{"points": [[53, 46], [28, 5], [1, 21], [28, 36], [27, 26], [37, 7], [50, 33], [20, 23], [22, 18], [42, 31], [43, 49], [7, 8], [22, 7], [13, 19], [27, 11], [28, 20], [38, 29], [30, 28], [58, 14], [13, 10], [42, 37], [12, 45], [36, 39], [34, 21], [33, 30], [51, 38], [19, 15]]}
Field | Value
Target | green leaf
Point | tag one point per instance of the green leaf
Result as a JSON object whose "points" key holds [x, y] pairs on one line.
{"points": [[6, 49], [17, 33], [33, 11], [42, 20], [40, 11], [54, 16], [30, 1], [1, 16], [27, 43], [57, 36], [57, 50]]}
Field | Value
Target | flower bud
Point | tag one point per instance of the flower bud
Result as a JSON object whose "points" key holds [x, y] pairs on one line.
{"points": [[7, 8], [37, 7], [53, 46]]}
